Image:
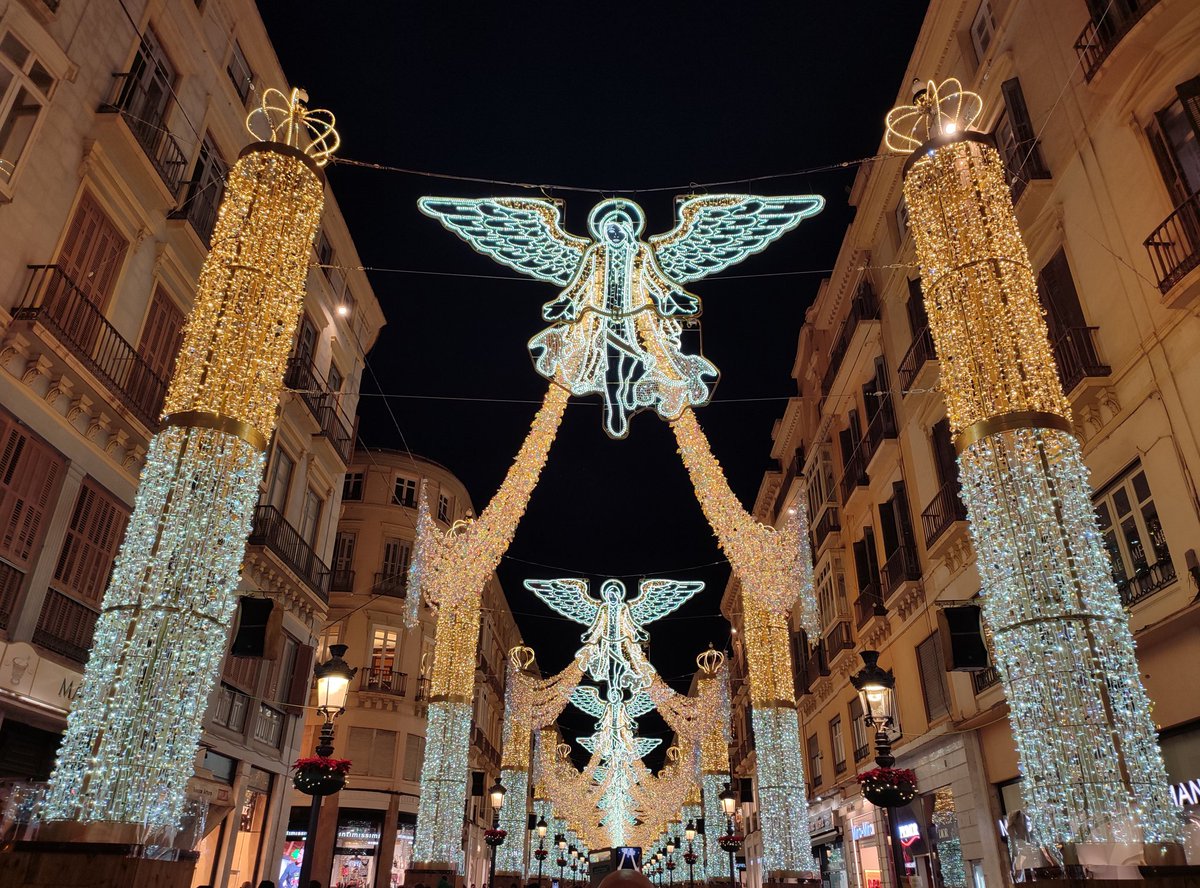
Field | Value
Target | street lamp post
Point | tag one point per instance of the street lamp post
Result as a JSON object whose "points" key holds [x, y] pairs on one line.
{"points": [[877, 693], [689, 833], [541, 834], [574, 864], [496, 797], [561, 841], [729, 805], [671, 844], [333, 686]]}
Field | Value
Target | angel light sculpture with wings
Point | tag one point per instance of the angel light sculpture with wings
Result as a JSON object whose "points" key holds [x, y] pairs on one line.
{"points": [[612, 644], [615, 327]]}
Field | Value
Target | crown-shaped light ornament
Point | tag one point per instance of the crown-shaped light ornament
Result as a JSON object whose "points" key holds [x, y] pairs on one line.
{"points": [[285, 119], [938, 110], [710, 661], [521, 657]]}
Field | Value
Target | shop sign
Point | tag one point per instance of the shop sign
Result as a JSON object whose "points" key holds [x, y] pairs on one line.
{"points": [[819, 823], [908, 833], [1187, 793], [862, 831], [24, 673]]}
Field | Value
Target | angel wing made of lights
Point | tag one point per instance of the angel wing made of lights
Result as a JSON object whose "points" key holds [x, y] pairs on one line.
{"points": [[587, 699], [718, 230], [639, 705], [657, 598], [568, 597], [525, 234]]}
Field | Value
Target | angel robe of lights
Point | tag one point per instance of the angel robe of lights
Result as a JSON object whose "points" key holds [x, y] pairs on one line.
{"points": [[615, 327]]}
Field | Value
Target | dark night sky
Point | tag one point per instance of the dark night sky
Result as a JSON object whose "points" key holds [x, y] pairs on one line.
{"points": [[611, 96]]}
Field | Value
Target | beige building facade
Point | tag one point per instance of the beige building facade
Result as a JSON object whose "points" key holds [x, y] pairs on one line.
{"points": [[383, 731], [109, 187], [1096, 109]]}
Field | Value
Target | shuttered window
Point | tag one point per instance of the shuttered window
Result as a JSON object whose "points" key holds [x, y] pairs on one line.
{"points": [[414, 757], [372, 752], [161, 333], [92, 251], [96, 529], [30, 477], [933, 677], [814, 760]]}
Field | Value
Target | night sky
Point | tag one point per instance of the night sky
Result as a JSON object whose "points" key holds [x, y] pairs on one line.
{"points": [[613, 98]]}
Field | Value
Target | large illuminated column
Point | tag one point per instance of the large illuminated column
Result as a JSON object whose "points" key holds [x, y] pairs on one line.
{"points": [[133, 732], [774, 570], [714, 770], [1086, 740], [451, 571]]}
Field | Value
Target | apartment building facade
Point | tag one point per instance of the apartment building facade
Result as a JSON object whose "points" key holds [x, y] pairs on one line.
{"points": [[383, 731], [109, 188], [1095, 107]]}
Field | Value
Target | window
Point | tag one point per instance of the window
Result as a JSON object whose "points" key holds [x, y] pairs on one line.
{"points": [[814, 760], [335, 379], [1175, 138], [352, 487], [279, 479], [231, 709], [148, 87], [310, 518], [30, 475], [983, 29], [86, 559], [268, 727], [329, 636], [385, 646], [405, 492], [918, 320], [324, 251], [933, 677], [25, 88], [343, 551], [92, 251], [161, 334], [831, 593], [858, 730], [396, 555], [1133, 536], [205, 190], [1017, 140], [414, 757], [443, 512], [239, 72], [306, 341], [901, 220], [836, 744], [372, 751]]}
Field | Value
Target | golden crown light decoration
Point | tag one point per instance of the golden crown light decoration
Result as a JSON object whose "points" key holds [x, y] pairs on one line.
{"points": [[616, 330], [1081, 718], [133, 732]]}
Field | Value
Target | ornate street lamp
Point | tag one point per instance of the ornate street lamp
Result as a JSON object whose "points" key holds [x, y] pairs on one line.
{"points": [[689, 833], [495, 835], [877, 692], [540, 854], [333, 686], [731, 841]]}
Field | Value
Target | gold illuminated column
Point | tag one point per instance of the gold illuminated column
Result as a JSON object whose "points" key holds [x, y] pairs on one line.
{"points": [[1092, 768], [714, 770], [133, 732]]}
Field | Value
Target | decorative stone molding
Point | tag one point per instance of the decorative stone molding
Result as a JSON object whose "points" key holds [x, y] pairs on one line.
{"points": [[59, 388], [35, 369], [101, 422], [878, 634], [134, 456], [118, 439], [910, 601], [81, 406], [959, 554]]}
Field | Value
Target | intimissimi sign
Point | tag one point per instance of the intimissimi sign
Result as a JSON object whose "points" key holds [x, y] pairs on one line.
{"points": [[1187, 793]]}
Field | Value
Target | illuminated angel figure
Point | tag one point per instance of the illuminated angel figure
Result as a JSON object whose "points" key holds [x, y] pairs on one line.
{"points": [[612, 645], [615, 327]]}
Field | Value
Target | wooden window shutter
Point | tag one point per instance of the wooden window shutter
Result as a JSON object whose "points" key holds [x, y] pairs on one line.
{"points": [[161, 334], [1018, 114], [97, 527], [297, 690], [918, 320], [933, 677], [1189, 97], [944, 457], [92, 251], [30, 478], [1056, 287]]}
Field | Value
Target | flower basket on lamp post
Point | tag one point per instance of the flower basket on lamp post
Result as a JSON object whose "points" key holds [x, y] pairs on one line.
{"points": [[494, 837], [730, 843], [318, 775], [888, 787], [540, 853]]}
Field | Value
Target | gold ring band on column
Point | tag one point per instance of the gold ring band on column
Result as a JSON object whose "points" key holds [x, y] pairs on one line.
{"points": [[1009, 422], [218, 422]]}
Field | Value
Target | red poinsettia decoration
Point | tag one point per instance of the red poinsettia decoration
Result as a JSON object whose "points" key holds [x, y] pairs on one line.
{"points": [[690, 858], [731, 842], [541, 853], [495, 836], [562, 861], [670, 864], [321, 763], [888, 787]]}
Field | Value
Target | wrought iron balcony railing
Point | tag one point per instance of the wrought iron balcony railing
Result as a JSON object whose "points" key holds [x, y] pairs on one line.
{"points": [[838, 639], [322, 404], [919, 353], [829, 522], [390, 583], [273, 532], [868, 604], [1075, 352], [864, 307], [199, 207], [1174, 246], [1146, 582], [1098, 39], [53, 300], [341, 581], [904, 565], [943, 510], [385, 681], [141, 107]]}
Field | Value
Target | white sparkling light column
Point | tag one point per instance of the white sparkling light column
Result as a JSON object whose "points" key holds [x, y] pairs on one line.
{"points": [[1081, 718], [133, 732]]}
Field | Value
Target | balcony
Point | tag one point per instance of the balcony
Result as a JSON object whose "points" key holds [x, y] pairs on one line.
{"points": [[341, 581], [838, 639], [829, 522], [1174, 246], [881, 428], [944, 509], [422, 690], [481, 742], [1146, 582], [385, 681], [855, 474], [269, 725], [920, 353], [864, 307], [793, 470], [231, 709], [1098, 40], [984, 679], [868, 604], [303, 378], [1075, 352], [901, 567], [65, 626], [817, 664], [199, 208], [391, 584], [53, 300], [141, 110], [272, 532]]}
